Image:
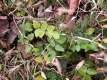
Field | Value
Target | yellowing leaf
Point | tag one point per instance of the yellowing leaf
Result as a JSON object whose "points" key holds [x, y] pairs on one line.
{"points": [[90, 31], [44, 25], [105, 79], [0, 66], [49, 34], [103, 20], [36, 24], [92, 55], [40, 78], [50, 28], [35, 74], [47, 59], [55, 35], [38, 59], [87, 49], [105, 40], [39, 33], [104, 26]]}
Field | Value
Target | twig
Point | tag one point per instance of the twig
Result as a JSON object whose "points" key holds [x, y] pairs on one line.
{"points": [[95, 5], [96, 36], [18, 5], [84, 39]]}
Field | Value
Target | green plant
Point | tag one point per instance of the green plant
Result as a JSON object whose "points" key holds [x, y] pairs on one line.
{"points": [[44, 28], [20, 13], [84, 45], [82, 27], [87, 71], [40, 30], [103, 5], [26, 33], [53, 76]]}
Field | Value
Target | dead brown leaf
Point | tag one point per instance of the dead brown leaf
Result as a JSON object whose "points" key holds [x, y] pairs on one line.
{"points": [[8, 54], [13, 33], [99, 56], [49, 9], [4, 24], [57, 64], [3, 77], [52, 12], [3, 44], [79, 65], [1, 6], [40, 11], [13, 69], [73, 4], [62, 10], [3, 17], [77, 77], [102, 70], [101, 46]]}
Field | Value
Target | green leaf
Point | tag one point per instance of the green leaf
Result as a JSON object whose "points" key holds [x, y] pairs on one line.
{"points": [[91, 71], [51, 75], [49, 34], [38, 59], [88, 77], [83, 70], [94, 46], [39, 33], [52, 54], [79, 41], [73, 48], [87, 49], [90, 31], [83, 78], [78, 48], [28, 49], [49, 39], [36, 24], [59, 48], [18, 14], [56, 35], [40, 78], [22, 40], [44, 53], [44, 26], [84, 46], [49, 48], [25, 41], [28, 27], [52, 44], [50, 28], [30, 36], [62, 39], [89, 64], [36, 51]]}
